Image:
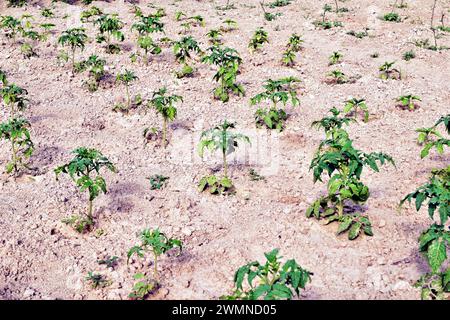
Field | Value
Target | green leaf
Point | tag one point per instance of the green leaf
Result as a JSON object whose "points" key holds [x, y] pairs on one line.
{"points": [[436, 254], [354, 230]]}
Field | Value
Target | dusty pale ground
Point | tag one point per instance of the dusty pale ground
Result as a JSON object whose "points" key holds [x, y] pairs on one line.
{"points": [[42, 258]]}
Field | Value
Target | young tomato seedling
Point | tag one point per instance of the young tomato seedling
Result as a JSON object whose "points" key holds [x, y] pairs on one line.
{"points": [[75, 39], [272, 280], [13, 97], [164, 105], [227, 60], [354, 105], [182, 50], [276, 91], [110, 26], [84, 170], [388, 72], [126, 78], [16, 131], [344, 165], [432, 138], [157, 243], [223, 139], [259, 38], [407, 101]]}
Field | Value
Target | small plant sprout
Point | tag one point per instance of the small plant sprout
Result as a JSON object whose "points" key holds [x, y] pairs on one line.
{"points": [[432, 138], [110, 27], [337, 76], [126, 78], [227, 60], [344, 165], [164, 105], [388, 72], [407, 101], [335, 58], [214, 36], [147, 44], [109, 262], [14, 97], [3, 78], [267, 15], [272, 280], [409, 55], [142, 288], [182, 50], [97, 280], [354, 105], [84, 169], [255, 176], [230, 25], [257, 41], [16, 131], [157, 243], [96, 68], [88, 14], [75, 39], [294, 45], [276, 91], [392, 17], [219, 138], [11, 26], [148, 25], [332, 123], [279, 3], [157, 181]]}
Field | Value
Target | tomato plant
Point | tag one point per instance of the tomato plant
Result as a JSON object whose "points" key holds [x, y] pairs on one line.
{"points": [[272, 280]]}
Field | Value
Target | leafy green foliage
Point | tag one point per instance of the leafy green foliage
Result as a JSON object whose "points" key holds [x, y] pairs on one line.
{"points": [[409, 55], [11, 26], [332, 123], [335, 58], [388, 72], [276, 91], [126, 78], [16, 131], [272, 280], [215, 185], [279, 3], [109, 262], [392, 17], [157, 243], [84, 170], [110, 26], [182, 50], [88, 14], [433, 286], [354, 105], [259, 38], [164, 105], [294, 45], [271, 118], [214, 36], [221, 138], [157, 181], [227, 60], [432, 138], [255, 176], [97, 280], [344, 165], [407, 101], [147, 25], [337, 76], [13, 97], [75, 39], [96, 70], [142, 288]]}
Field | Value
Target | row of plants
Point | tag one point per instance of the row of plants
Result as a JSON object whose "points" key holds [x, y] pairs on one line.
{"points": [[336, 156]]}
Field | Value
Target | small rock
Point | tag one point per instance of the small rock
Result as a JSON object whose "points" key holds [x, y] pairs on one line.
{"points": [[28, 293], [382, 223]]}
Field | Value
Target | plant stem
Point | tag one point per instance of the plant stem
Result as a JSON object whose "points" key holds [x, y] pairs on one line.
{"points": [[340, 207], [337, 7], [155, 265], [164, 132], [128, 96], [432, 23], [90, 205], [225, 165], [14, 154], [73, 58]]}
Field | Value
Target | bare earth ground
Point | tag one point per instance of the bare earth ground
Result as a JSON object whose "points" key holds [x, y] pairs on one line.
{"points": [[42, 258]]}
